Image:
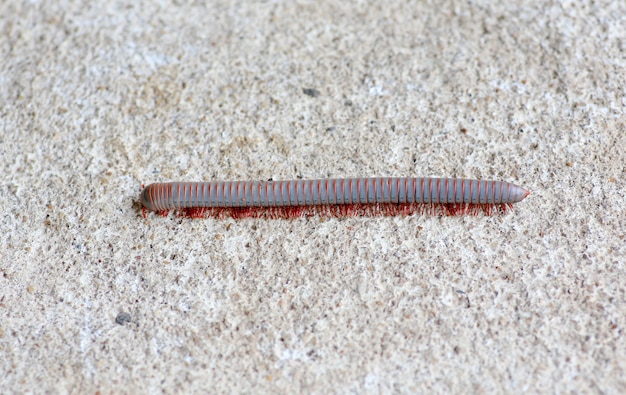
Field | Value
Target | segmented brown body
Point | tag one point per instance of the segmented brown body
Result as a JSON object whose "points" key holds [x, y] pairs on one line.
{"points": [[304, 197]]}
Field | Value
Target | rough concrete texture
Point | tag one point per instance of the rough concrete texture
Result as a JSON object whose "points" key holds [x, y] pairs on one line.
{"points": [[98, 99]]}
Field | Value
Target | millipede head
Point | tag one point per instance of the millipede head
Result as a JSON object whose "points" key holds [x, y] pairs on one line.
{"points": [[144, 197]]}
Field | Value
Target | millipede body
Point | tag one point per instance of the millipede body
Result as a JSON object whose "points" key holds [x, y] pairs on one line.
{"points": [[332, 197]]}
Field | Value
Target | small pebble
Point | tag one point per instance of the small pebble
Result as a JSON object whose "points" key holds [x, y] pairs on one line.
{"points": [[311, 92], [122, 318]]}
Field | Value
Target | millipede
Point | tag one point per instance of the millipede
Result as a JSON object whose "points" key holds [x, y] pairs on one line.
{"points": [[334, 197]]}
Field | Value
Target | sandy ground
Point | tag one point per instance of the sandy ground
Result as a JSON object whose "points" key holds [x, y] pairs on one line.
{"points": [[97, 100]]}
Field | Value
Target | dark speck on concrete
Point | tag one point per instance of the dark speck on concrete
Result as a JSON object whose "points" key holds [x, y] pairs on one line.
{"points": [[122, 318], [311, 92]]}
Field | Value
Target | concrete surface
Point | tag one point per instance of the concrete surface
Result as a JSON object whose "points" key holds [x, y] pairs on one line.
{"points": [[96, 100]]}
